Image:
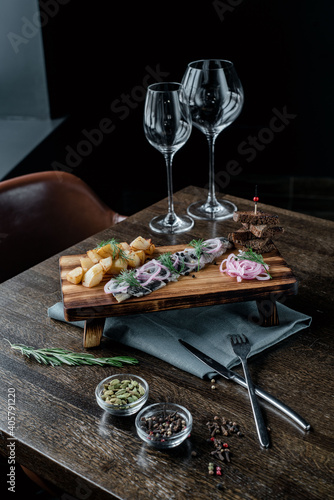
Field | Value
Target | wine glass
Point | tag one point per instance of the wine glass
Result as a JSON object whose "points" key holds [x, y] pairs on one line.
{"points": [[215, 98], [167, 126]]}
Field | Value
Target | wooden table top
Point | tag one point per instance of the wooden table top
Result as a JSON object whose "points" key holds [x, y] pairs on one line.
{"points": [[65, 437]]}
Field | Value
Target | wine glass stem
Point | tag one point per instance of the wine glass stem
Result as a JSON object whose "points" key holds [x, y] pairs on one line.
{"points": [[171, 217], [212, 200]]}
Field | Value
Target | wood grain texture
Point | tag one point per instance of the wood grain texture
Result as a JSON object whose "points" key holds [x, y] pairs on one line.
{"points": [[93, 331], [61, 433], [203, 288]]}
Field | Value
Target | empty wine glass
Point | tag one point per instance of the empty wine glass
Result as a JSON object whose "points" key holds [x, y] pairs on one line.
{"points": [[167, 126], [215, 98]]}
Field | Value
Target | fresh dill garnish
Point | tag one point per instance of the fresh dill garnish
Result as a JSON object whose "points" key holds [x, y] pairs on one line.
{"points": [[199, 246], [253, 256], [117, 251], [166, 260], [112, 242], [127, 277], [56, 357]]}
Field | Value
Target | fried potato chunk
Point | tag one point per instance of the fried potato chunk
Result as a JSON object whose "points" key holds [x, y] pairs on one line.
{"points": [[110, 257], [106, 264], [94, 256], [105, 251], [141, 243], [133, 259], [86, 263], [75, 276], [93, 276]]}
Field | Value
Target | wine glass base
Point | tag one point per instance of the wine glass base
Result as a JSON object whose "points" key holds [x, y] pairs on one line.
{"points": [[205, 211], [162, 224]]}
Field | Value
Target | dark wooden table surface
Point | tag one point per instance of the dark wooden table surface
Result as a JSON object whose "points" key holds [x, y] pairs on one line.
{"points": [[61, 433]]}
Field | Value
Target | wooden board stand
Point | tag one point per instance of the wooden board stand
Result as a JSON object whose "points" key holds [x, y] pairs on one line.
{"points": [[204, 288]]}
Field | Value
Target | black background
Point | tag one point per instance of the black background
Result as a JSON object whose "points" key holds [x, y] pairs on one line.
{"points": [[100, 51]]}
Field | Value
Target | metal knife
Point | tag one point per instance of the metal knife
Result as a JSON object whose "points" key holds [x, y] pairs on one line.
{"points": [[229, 374]]}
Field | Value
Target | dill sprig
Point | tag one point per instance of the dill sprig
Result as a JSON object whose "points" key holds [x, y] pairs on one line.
{"points": [[117, 251], [166, 260], [253, 256], [127, 277], [105, 242], [57, 357], [198, 246]]}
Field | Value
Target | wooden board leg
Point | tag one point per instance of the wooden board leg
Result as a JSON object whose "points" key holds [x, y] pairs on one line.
{"points": [[93, 331], [267, 309]]}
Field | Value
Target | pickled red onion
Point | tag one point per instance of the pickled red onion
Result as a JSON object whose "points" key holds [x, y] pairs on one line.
{"points": [[212, 245], [243, 269], [151, 270]]}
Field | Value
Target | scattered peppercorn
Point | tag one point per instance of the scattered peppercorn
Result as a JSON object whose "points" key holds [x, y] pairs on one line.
{"points": [[211, 469]]}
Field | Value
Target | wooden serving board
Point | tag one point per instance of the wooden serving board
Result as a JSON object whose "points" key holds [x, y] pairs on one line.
{"points": [[203, 288]]}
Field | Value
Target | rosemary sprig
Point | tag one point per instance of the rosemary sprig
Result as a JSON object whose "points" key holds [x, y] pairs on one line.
{"points": [[127, 277], [199, 246], [253, 256], [56, 357]]}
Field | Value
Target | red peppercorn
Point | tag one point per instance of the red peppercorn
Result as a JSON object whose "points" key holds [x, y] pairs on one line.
{"points": [[225, 445]]}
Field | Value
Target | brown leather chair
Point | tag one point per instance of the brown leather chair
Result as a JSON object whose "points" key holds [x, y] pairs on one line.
{"points": [[42, 214]]}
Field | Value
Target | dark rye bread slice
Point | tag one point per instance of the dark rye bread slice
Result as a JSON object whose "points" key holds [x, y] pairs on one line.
{"points": [[259, 218], [265, 231], [257, 245], [240, 235]]}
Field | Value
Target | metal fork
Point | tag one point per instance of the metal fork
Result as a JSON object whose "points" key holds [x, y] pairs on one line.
{"points": [[241, 347]]}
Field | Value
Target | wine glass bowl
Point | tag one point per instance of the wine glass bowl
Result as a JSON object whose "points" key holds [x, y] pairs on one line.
{"points": [[167, 126], [215, 97]]}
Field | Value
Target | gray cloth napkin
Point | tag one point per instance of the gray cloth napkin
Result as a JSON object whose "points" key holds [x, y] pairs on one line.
{"points": [[207, 328]]}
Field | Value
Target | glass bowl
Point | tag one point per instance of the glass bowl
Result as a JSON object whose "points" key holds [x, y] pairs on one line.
{"points": [[126, 399], [149, 425]]}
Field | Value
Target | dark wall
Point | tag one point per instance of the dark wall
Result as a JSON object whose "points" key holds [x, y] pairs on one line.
{"points": [[101, 55]]}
